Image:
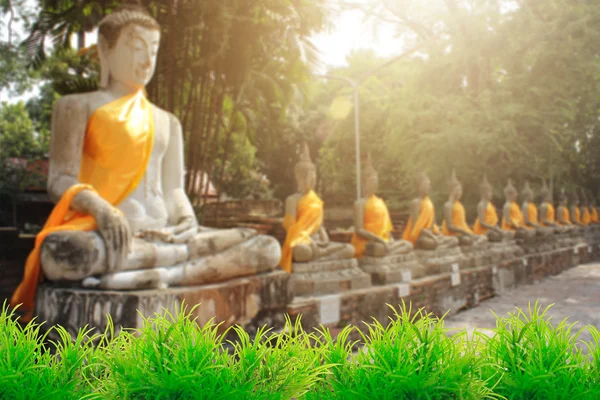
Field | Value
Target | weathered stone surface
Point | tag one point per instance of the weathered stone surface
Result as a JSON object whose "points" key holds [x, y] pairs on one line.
{"points": [[233, 302], [441, 261], [392, 269], [319, 278], [503, 251], [478, 255]]}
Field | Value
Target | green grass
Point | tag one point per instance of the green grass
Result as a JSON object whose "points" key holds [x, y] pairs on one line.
{"points": [[413, 356]]}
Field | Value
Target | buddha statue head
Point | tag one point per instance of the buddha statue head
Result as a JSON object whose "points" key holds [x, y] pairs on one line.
{"points": [[575, 198], [370, 178], [128, 41], [454, 187], [562, 198], [545, 193], [305, 172], [422, 184], [527, 192], [584, 198], [510, 192], [592, 200], [485, 189]]}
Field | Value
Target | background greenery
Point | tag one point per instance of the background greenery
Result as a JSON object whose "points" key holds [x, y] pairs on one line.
{"points": [[507, 88]]}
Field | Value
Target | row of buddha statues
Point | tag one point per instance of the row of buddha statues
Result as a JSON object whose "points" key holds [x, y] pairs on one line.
{"points": [[307, 239], [122, 220]]}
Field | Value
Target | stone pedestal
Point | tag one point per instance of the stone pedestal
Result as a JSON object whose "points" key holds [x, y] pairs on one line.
{"points": [[325, 277], [538, 244], [476, 255], [441, 261], [393, 268], [244, 301], [505, 251]]}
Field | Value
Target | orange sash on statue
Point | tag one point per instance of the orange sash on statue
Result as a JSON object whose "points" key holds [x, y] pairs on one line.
{"points": [[459, 220], [532, 213], [577, 218], [118, 143], [550, 214], [376, 219], [309, 218], [564, 214], [515, 217], [491, 218], [594, 215], [412, 232], [586, 217]]}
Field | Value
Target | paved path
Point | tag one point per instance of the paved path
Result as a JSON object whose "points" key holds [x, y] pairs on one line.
{"points": [[575, 294]]}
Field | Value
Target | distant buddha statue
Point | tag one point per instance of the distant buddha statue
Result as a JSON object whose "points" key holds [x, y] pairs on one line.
{"points": [[586, 216], [306, 239], [487, 217], [530, 212], [563, 216], [548, 216], [455, 221], [421, 229], [512, 218], [122, 218], [575, 211], [372, 223], [594, 217]]}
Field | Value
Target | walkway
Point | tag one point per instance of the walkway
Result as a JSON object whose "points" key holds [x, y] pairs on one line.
{"points": [[575, 294]]}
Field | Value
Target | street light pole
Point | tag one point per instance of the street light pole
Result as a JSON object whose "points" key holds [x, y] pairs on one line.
{"points": [[354, 85]]}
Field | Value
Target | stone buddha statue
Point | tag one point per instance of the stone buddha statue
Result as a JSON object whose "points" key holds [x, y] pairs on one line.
{"points": [[563, 216], [122, 218], [575, 211], [487, 217], [306, 239], [455, 221], [586, 216], [512, 217], [421, 229], [372, 223], [548, 217], [530, 212], [595, 217]]}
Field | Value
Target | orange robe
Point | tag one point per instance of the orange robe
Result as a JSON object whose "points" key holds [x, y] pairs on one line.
{"points": [[491, 218], [550, 214], [564, 214], [577, 216], [515, 217], [532, 214], [309, 218], [118, 142], [594, 215], [586, 217], [376, 219], [425, 220], [459, 220]]}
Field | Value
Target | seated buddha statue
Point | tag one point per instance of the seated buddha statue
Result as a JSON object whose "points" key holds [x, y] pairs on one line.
{"points": [[575, 211], [586, 216], [563, 215], [372, 223], [530, 213], [487, 217], [421, 229], [594, 217], [455, 220], [512, 218], [306, 239], [122, 219], [547, 211]]}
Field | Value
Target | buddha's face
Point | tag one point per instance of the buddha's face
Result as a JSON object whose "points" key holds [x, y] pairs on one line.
{"points": [[370, 185], [528, 196], [132, 59], [486, 193], [457, 192], [546, 196], [424, 186], [306, 180], [511, 195]]}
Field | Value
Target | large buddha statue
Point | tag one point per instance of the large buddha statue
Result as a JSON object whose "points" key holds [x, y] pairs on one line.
{"points": [[512, 217], [548, 217], [372, 223], [530, 213], [122, 218], [455, 220], [487, 217], [421, 229], [306, 238]]}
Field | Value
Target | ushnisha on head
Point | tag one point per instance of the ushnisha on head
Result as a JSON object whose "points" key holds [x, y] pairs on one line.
{"points": [[370, 178], [422, 183], [510, 192], [527, 192], [545, 192], [128, 41], [305, 171], [485, 189], [454, 186]]}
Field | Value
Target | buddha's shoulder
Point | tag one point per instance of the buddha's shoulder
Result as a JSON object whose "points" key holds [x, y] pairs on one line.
{"points": [[80, 101], [166, 115]]}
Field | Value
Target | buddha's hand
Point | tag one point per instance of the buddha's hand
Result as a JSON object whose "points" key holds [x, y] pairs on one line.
{"points": [[114, 230], [180, 233]]}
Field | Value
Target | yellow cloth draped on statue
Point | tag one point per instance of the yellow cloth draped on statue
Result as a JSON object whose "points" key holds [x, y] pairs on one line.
{"points": [[594, 215], [491, 218], [425, 220], [586, 217], [309, 218], [532, 213], [376, 219], [564, 215], [550, 214], [515, 217], [118, 143], [578, 215], [459, 220]]}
